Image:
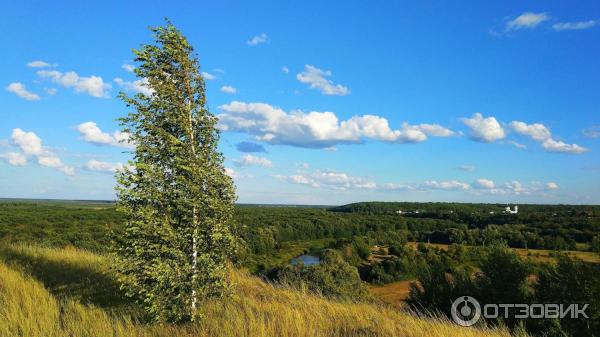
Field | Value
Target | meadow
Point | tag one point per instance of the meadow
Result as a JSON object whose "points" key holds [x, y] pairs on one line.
{"points": [[70, 292]]}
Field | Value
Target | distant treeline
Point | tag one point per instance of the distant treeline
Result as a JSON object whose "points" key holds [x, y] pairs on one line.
{"points": [[266, 229]]}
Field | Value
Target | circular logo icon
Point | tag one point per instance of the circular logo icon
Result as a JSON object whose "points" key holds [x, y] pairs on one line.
{"points": [[465, 311]]}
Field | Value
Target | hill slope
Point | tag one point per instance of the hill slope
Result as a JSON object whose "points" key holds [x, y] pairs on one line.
{"points": [[43, 292]]}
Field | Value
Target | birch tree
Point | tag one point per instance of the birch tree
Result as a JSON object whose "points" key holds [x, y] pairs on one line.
{"points": [[175, 193]]}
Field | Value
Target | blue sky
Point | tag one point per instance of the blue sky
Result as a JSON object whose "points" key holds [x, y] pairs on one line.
{"points": [[320, 103]]}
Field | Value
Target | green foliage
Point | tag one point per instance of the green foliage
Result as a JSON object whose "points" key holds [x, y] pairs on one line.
{"points": [[504, 278], [570, 281], [80, 224], [333, 277], [175, 195]]}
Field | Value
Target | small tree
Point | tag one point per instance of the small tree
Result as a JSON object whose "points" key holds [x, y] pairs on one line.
{"points": [[175, 193]]}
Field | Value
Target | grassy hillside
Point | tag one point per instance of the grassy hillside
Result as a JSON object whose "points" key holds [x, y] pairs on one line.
{"points": [[68, 292]]}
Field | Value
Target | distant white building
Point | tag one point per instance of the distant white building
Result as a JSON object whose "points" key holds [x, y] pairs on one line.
{"points": [[507, 210]]}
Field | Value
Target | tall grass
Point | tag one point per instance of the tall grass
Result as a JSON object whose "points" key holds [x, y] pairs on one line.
{"points": [[41, 295]]}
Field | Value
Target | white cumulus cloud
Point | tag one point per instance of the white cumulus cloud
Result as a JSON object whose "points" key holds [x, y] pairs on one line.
{"points": [[20, 90], [31, 145], [28, 142], [536, 131], [250, 160], [90, 132], [484, 183], [14, 158], [484, 129], [208, 76], [229, 89], [444, 185], [140, 86], [102, 166], [317, 129], [317, 79], [92, 85], [559, 146], [329, 179], [540, 133]]}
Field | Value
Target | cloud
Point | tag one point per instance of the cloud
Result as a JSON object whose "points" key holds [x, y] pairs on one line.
{"points": [[579, 25], [128, 67], [484, 129], [28, 142], [55, 162], [484, 183], [317, 129], [102, 166], [92, 85], [435, 130], [559, 146], [20, 90], [450, 185], [316, 78], [14, 158], [329, 179], [467, 168], [231, 172], [536, 131], [397, 187], [140, 86], [250, 147], [517, 145], [513, 187], [258, 39], [208, 76], [229, 89], [592, 132], [298, 179], [50, 91], [250, 160], [90, 132], [527, 20], [285, 70], [31, 145], [542, 134], [40, 64]]}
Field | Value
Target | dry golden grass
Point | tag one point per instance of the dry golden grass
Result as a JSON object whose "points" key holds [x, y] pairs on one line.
{"points": [[393, 293], [256, 308]]}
